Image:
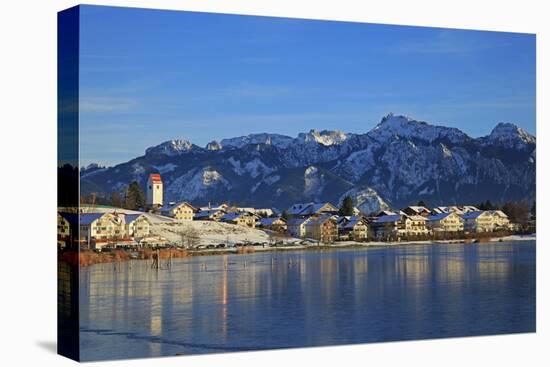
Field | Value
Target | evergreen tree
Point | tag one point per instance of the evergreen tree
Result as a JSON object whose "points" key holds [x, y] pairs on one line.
{"points": [[284, 215], [135, 198], [347, 207], [487, 205], [534, 209]]}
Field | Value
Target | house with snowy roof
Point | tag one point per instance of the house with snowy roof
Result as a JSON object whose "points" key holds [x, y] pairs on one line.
{"points": [[296, 226], [383, 213], [137, 225], [92, 227], [265, 212], [64, 230], [447, 209], [417, 210], [449, 222], [322, 228], [240, 218], [209, 214], [180, 211], [478, 221], [398, 225], [500, 219], [309, 209], [413, 225], [468, 208], [354, 228], [386, 226], [277, 224]]}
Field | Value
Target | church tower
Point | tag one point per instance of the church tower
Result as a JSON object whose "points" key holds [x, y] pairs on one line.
{"points": [[154, 191]]}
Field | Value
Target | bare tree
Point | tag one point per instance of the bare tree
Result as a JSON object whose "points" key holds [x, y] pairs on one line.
{"points": [[518, 212], [189, 237], [116, 199]]}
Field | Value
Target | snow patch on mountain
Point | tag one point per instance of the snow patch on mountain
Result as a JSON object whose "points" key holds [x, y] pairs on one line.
{"points": [[255, 187], [313, 181], [256, 168], [426, 191], [165, 168], [277, 140], [171, 147], [236, 165], [357, 163], [270, 180], [91, 171], [197, 183], [324, 137], [366, 200], [137, 171], [446, 152]]}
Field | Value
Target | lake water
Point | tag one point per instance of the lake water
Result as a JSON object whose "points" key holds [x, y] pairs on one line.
{"points": [[210, 304]]}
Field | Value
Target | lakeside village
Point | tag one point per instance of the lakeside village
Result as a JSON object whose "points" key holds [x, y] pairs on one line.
{"points": [[183, 225]]}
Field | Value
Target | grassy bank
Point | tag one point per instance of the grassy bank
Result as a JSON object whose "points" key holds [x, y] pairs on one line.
{"points": [[87, 257]]}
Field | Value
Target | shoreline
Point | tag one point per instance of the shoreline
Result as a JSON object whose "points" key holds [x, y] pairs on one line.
{"points": [[88, 258], [352, 244]]}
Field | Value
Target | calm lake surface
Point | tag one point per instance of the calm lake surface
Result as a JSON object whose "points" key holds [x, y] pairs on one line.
{"points": [[211, 304]]}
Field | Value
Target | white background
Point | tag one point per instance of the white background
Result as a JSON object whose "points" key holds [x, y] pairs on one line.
{"points": [[28, 186]]}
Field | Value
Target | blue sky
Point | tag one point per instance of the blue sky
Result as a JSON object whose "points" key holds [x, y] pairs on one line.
{"points": [[147, 76]]}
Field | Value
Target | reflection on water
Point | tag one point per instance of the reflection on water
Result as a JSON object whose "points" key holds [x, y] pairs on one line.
{"points": [[309, 298]]}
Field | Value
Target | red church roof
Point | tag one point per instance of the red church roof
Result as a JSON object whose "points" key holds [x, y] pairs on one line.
{"points": [[155, 178]]}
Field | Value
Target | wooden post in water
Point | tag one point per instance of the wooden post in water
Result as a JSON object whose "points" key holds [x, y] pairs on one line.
{"points": [[155, 263]]}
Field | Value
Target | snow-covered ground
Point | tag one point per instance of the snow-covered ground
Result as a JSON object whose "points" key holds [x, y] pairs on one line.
{"points": [[208, 232], [527, 237]]}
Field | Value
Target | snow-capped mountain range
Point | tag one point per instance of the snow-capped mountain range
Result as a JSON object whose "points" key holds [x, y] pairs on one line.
{"points": [[397, 163]]}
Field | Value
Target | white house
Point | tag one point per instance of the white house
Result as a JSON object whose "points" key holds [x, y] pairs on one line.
{"points": [[137, 225], [500, 219], [478, 221], [413, 225], [353, 228], [296, 227], [243, 219], [180, 211], [445, 222]]}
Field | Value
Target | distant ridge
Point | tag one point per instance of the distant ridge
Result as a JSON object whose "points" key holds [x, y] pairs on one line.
{"points": [[399, 161]]}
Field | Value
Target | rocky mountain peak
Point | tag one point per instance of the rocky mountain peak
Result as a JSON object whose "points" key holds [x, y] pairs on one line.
{"points": [[510, 134], [214, 145], [400, 126], [324, 137], [171, 147]]}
